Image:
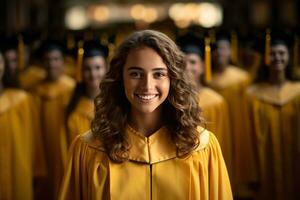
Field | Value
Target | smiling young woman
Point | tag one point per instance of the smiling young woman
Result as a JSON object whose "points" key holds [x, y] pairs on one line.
{"points": [[146, 141]]}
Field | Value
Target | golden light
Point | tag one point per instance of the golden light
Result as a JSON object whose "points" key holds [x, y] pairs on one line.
{"points": [[138, 11], [182, 23], [101, 13], [209, 15], [190, 11], [175, 11], [76, 18], [150, 15]]}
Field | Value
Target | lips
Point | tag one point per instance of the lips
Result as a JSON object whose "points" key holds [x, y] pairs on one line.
{"points": [[146, 97]]}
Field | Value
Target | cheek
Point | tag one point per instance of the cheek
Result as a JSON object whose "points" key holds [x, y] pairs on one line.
{"points": [[165, 87]]}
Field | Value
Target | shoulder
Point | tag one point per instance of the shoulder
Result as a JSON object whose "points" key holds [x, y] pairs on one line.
{"points": [[208, 140], [67, 81], [88, 140], [210, 96], [16, 96]]}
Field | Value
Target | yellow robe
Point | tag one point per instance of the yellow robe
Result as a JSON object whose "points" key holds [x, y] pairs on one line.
{"points": [[276, 123], [52, 98], [215, 113], [232, 84], [31, 77], [152, 172], [21, 158], [80, 119], [78, 122]]}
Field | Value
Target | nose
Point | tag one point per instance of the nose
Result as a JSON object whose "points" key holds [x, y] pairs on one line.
{"points": [[147, 82]]}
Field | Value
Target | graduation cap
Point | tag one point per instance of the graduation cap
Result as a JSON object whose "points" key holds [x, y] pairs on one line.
{"points": [[10, 43], [93, 48], [193, 43], [51, 45]]}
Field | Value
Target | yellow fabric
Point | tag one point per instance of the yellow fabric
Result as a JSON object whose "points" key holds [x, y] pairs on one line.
{"points": [[80, 119], [78, 122], [153, 171], [232, 84], [51, 99], [70, 66], [20, 159], [32, 76], [215, 113], [276, 123]]}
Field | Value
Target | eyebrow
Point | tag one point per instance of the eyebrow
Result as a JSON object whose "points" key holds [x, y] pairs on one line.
{"points": [[155, 69]]}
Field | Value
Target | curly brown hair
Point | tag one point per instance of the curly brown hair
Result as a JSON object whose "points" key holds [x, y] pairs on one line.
{"points": [[181, 107]]}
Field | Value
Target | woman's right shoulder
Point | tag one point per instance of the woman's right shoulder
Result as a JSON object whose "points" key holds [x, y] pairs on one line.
{"points": [[87, 141]]}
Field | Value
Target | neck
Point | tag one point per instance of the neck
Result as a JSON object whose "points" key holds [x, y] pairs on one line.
{"points": [[277, 77], [147, 124], [221, 68], [199, 86], [92, 92]]}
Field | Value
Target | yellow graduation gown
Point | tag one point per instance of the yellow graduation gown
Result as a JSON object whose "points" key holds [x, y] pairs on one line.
{"points": [[20, 158], [78, 122], [80, 119], [152, 172], [52, 98], [215, 113], [276, 123], [32, 76], [232, 84]]}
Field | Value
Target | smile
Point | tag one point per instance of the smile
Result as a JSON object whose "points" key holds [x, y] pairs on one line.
{"points": [[146, 97]]}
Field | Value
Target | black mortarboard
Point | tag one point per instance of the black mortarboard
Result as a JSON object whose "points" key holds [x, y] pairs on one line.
{"points": [[191, 43], [281, 37], [51, 45], [93, 48]]}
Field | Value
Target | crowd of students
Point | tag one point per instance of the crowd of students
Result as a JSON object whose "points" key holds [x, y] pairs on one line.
{"points": [[152, 128]]}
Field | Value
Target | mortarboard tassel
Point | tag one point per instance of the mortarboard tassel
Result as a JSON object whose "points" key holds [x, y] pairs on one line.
{"points": [[207, 60], [267, 47], [80, 53]]}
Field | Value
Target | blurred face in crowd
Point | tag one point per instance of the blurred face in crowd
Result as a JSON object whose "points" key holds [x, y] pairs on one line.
{"points": [[279, 57], [54, 64], [222, 53], [93, 71], [1, 66], [11, 60], [194, 66]]}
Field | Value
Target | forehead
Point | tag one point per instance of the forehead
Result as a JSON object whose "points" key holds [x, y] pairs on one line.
{"points": [[54, 52], [193, 56], [144, 57], [223, 43], [279, 47], [94, 60]]}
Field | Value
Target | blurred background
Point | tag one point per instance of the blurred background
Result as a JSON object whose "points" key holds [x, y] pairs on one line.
{"points": [[61, 16]]}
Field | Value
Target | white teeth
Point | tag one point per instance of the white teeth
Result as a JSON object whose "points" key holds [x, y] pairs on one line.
{"points": [[146, 97]]}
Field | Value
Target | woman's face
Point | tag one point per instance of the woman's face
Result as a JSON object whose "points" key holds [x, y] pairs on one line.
{"points": [[222, 53], [11, 60], [146, 80], [54, 64], [93, 71], [279, 57], [194, 66]]}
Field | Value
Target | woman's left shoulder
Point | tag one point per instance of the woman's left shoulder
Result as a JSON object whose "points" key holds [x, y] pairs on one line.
{"points": [[207, 139]]}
